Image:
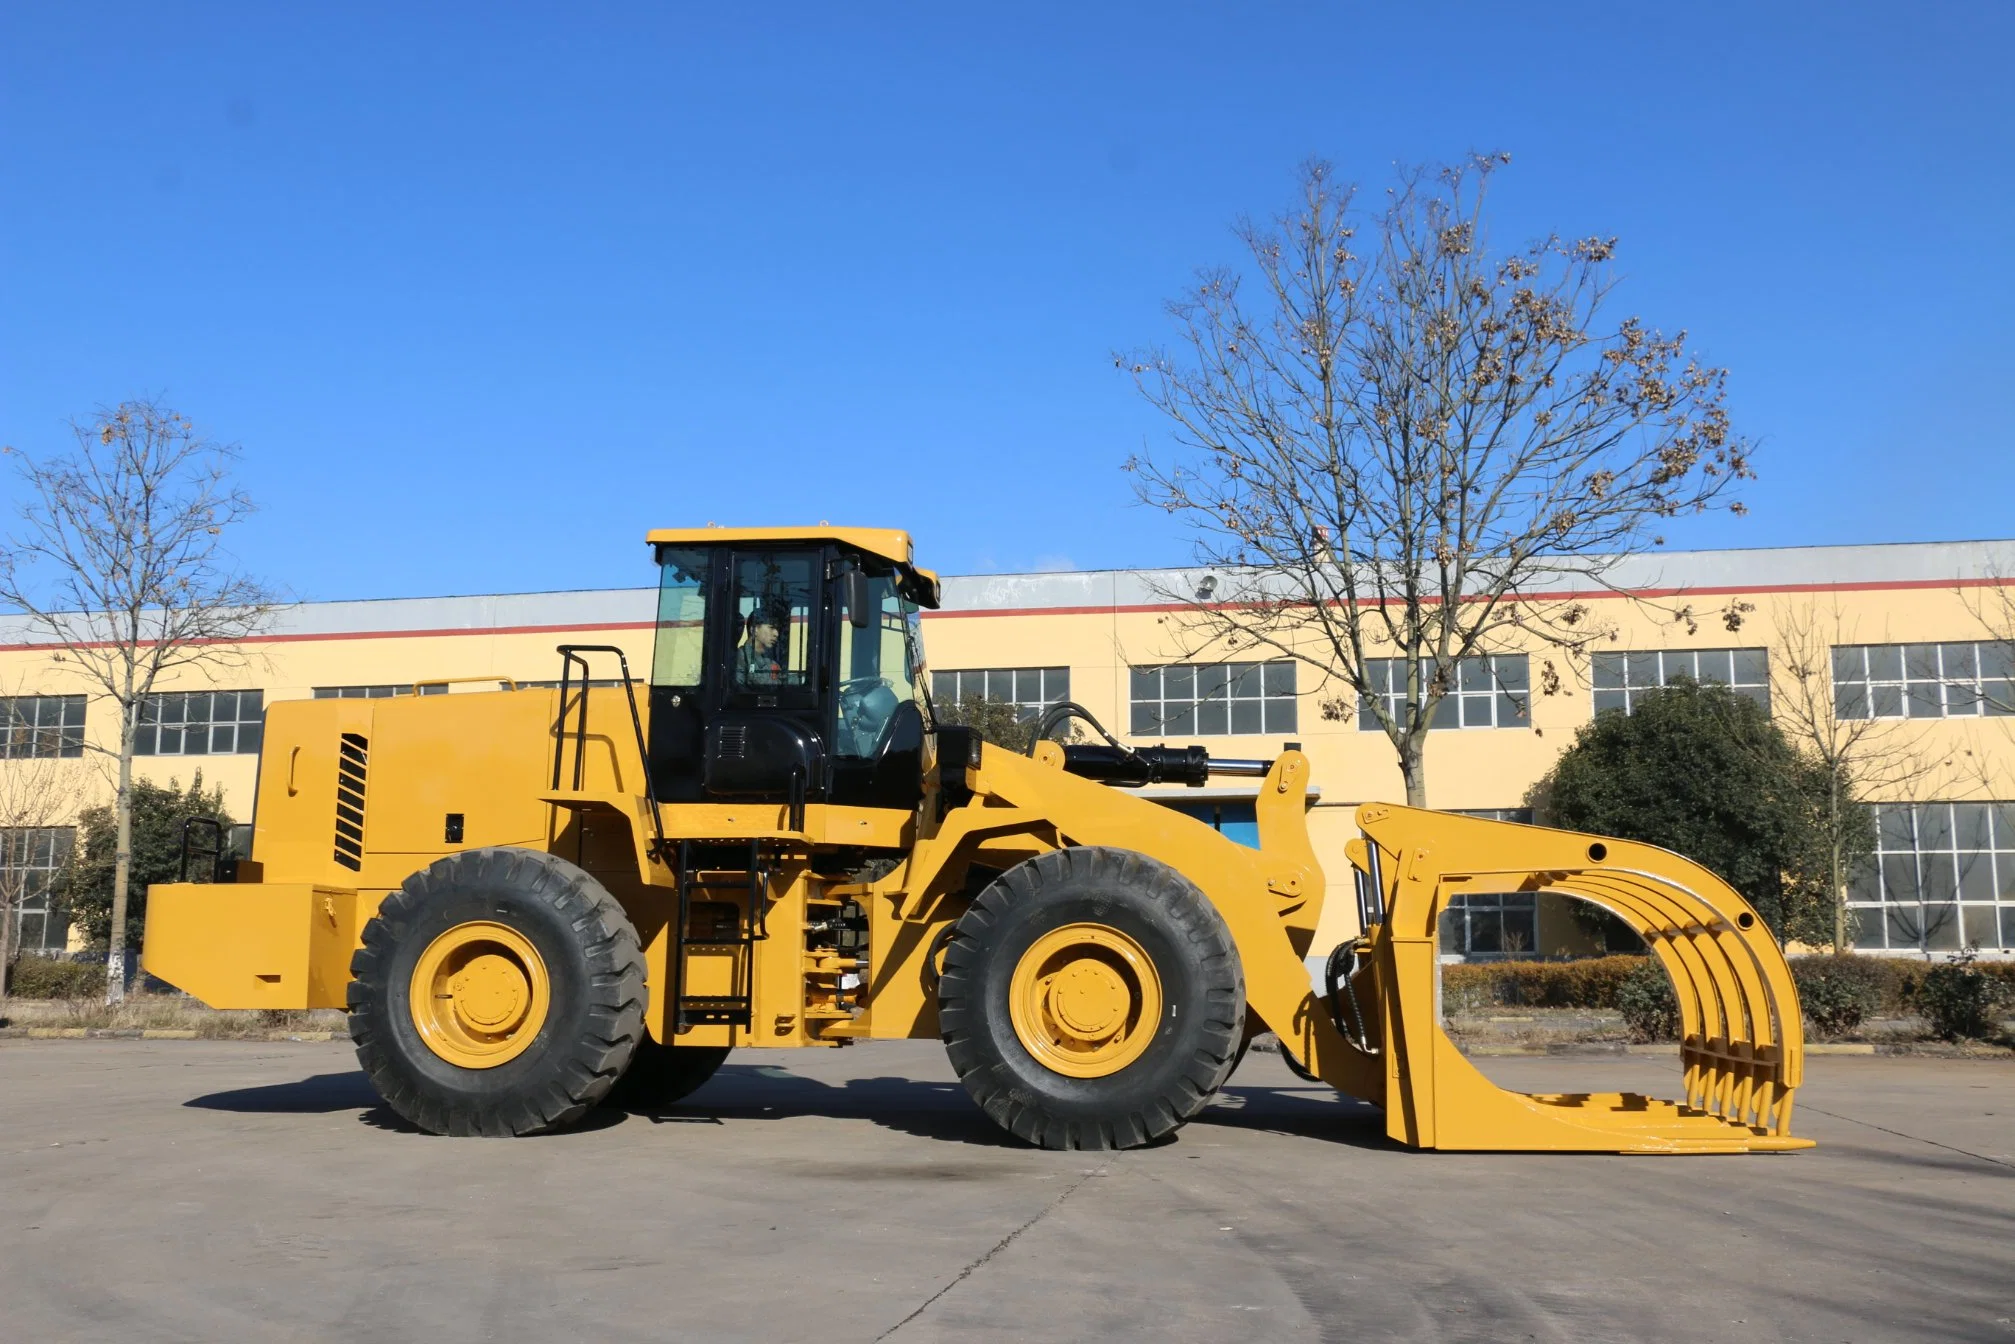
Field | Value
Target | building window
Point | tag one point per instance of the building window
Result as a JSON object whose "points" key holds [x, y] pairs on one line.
{"points": [[1943, 878], [41, 725], [30, 858], [1487, 925], [1923, 681], [1521, 815], [1030, 690], [200, 723], [1622, 677], [374, 692], [1213, 699], [1489, 692]]}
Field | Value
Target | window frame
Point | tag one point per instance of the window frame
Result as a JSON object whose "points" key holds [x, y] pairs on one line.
{"points": [[1626, 688], [65, 735], [1521, 816], [247, 734], [1276, 710], [379, 692], [1959, 862], [1047, 679], [1983, 686], [1466, 913], [20, 842], [1459, 700]]}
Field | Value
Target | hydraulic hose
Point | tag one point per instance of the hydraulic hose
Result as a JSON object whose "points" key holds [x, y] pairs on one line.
{"points": [[1336, 973], [1063, 711]]}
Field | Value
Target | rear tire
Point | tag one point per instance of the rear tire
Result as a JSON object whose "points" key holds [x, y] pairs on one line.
{"points": [[1092, 998], [498, 992], [665, 1075]]}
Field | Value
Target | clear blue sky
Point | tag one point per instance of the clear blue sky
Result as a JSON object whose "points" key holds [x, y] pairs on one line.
{"points": [[486, 292]]}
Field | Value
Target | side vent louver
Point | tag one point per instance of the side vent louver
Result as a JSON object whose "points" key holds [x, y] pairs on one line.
{"points": [[734, 740], [355, 754]]}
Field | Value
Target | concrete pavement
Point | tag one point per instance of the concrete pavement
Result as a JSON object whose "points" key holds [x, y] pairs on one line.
{"points": [[194, 1190]]}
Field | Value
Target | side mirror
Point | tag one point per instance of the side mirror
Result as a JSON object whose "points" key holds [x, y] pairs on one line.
{"points": [[854, 597]]}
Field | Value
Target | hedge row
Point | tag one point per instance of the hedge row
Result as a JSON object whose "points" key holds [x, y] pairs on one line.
{"points": [[1590, 983], [1896, 985], [56, 978]]}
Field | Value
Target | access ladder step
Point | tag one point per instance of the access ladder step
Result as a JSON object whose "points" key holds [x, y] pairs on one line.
{"points": [[696, 1011]]}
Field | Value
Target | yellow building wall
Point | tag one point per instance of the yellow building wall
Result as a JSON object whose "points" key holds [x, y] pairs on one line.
{"points": [[1466, 768]]}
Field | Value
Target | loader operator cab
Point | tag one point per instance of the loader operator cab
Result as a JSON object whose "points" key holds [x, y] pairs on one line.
{"points": [[788, 667]]}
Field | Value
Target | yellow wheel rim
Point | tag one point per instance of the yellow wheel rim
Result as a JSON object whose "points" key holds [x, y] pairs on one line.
{"points": [[479, 995], [1085, 1000]]}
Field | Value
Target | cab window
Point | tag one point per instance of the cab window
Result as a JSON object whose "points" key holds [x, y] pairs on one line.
{"points": [[878, 669], [681, 654], [774, 597]]}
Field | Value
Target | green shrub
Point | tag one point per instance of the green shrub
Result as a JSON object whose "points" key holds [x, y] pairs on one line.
{"points": [[158, 813], [1838, 993], [1648, 1004], [1899, 981], [55, 978], [1959, 999], [1590, 983]]}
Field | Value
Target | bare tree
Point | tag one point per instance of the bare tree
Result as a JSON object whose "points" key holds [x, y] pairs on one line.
{"points": [[37, 794], [1397, 447], [1862, 757], [118, 563]]}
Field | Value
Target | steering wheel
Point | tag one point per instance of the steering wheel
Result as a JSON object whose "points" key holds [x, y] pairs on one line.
{"points": [[861, 716]]}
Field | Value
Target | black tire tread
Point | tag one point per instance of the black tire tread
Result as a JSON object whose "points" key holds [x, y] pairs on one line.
{"points": [[1202, 938], [588, 1066]]}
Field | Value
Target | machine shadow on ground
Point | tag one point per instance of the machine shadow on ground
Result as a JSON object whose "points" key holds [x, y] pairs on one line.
{"points": [[739, 1093], [1301, 1110]]}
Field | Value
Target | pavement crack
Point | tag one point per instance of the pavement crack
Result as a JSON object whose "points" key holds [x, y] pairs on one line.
{"points": [[995, 1250], [1914, 1138]]}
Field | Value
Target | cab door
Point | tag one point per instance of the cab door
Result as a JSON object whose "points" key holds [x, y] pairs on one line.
{"points": [[683, 671], [763, 738]]}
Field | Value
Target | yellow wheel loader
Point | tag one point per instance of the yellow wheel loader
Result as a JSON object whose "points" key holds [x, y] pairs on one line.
{"points": [[532, 901]]}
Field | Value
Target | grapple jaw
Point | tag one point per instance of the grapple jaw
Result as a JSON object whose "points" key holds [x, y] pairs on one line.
{"points": [[1742, 1047]]}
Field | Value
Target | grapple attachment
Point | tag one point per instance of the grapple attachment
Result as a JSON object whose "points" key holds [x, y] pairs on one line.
{"points": [[1742, 1041]]}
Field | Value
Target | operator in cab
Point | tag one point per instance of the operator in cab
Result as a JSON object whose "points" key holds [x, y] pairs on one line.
{"points": [[759, 661]]}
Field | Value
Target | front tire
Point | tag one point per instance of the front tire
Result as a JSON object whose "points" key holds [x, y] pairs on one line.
{"points": [[498, 992], [1092, 998]]}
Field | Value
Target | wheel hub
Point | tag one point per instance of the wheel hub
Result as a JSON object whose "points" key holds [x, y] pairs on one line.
{"points": [[491, 993], [1088, 999], [1085, 1000], [479, 995]]}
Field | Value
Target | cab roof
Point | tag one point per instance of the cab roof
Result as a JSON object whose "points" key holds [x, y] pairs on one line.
{"points": [[886, 542]]}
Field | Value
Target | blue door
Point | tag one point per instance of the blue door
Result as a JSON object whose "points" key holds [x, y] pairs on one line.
{"points": [[1235, 820]]}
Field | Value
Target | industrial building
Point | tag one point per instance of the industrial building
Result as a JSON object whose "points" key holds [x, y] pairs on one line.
{"points": [[1916, 640]]}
